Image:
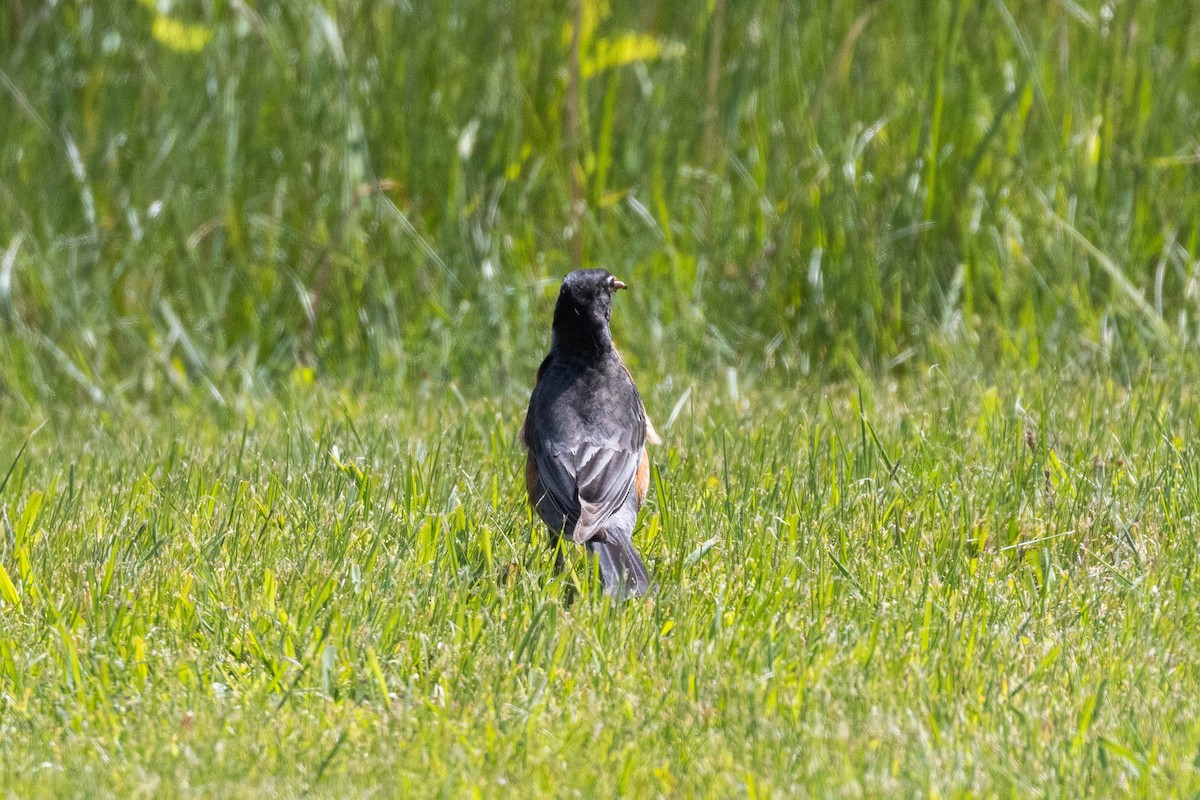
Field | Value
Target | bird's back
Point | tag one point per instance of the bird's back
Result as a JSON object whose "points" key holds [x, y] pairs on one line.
{"points": [[586, 469], [585, 401]]}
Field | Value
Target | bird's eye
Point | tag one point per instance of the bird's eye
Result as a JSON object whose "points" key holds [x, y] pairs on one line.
{"points": [[612, 280]]}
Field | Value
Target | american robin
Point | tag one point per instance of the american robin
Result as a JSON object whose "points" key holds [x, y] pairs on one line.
{"points": [[586, 431]]}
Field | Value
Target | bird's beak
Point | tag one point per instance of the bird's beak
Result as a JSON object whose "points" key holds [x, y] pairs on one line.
{"points": [[620, 284]]}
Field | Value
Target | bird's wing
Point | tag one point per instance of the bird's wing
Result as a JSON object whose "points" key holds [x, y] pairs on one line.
{"points": [[555, 471], [605, 474], [587, 469], [587, 479], [587, 483]]}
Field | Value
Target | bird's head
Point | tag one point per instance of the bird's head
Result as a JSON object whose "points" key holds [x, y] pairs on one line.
{"points": [[584, 308]]}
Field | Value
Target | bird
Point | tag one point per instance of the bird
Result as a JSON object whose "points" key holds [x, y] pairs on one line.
{"points": [[585, 434]]}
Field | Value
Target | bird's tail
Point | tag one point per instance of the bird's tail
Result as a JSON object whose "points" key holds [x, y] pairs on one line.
{"points": [[621, 567]]}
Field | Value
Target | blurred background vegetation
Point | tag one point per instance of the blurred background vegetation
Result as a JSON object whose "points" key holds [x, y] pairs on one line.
{"points": [[220, 196]]}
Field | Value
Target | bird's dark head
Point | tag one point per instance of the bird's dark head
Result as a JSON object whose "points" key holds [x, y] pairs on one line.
{"points": [[584, 309]]}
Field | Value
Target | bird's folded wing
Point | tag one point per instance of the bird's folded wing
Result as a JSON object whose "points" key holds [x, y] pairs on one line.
{"points": [[587, 483], [604, 475], [556, 471]]}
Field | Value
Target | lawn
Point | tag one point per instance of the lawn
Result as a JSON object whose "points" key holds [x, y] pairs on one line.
{"points": [[914, 304], [937, 588]]}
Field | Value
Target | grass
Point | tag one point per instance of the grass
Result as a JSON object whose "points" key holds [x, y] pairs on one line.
{"points": [[915, 303], [195, 199], [939, 588]]}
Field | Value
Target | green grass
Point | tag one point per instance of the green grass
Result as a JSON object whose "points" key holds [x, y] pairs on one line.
{"points": [[939, 588], [1004, 181], [915, 303]]}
